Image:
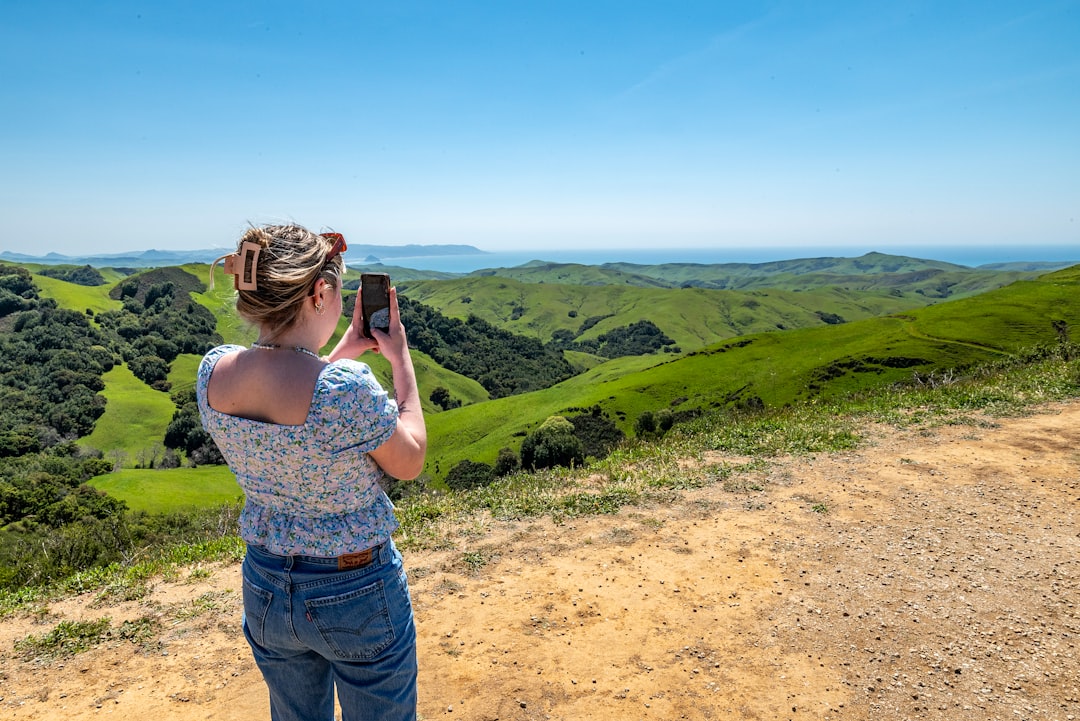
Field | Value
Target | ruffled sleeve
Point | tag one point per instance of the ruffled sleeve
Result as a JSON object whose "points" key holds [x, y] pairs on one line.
{"points": [[350, 410]]}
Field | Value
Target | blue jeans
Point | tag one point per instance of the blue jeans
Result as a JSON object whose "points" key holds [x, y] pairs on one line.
{"points": [[311, 627]]}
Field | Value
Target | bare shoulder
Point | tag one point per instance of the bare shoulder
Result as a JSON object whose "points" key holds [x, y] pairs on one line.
{"points": [[272, 388]]}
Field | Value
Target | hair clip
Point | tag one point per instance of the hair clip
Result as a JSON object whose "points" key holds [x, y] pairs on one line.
{"points": [[243, 264]]}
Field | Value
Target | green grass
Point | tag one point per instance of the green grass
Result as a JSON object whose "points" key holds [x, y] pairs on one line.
{"points": [[776, 367], [77, 297], [644, 472], [166, 490], [135, 418], [69, 638], [692, 317], [653, 472], [715, 371], [221, 301], [779, 368], [126, 581], [182, 372], [1016, 316], [870, 271], [66, 639]]}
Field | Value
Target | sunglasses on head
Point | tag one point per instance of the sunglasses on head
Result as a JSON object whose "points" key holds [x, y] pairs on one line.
{"points": [[339, 246]]}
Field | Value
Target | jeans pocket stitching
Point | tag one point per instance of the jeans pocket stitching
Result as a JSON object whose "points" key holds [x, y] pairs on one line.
{"points": [[375, 611], [256, 610]]}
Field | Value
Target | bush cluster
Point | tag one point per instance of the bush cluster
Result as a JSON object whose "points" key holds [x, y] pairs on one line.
{"points": [[640, 338], [559, 441], [53, 523], [51, 363], [81, 275], [185, 431], [17, 290], [504, 363], [51, 366], [158, 322]]}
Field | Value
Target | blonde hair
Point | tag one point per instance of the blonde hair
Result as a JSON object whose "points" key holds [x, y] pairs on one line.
{"points": [[291, 261]]}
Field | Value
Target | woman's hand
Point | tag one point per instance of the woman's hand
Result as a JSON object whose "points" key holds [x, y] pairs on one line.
{"points": [[352, 345], [394, 344], [353, 342]]}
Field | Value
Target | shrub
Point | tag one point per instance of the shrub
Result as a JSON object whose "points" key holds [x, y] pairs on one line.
{"points": [[469, 474], [185, 432], [84, 275], [645, 425], [149, 368], [597, 433], [442, 398], [502, 362], [552, 444], [507, 462]]}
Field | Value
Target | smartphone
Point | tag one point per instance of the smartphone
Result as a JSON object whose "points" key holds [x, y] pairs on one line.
{"points": [[375, 302]]}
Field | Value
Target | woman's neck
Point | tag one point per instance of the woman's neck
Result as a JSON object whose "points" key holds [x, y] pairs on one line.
{"points": [[291, 338]]}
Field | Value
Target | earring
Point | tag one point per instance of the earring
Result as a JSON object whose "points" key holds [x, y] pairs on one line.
{"points": [[318, 308]]}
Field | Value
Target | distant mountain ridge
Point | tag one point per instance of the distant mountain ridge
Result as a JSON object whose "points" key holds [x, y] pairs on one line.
{"points": [[866, 272], [154, 258]]}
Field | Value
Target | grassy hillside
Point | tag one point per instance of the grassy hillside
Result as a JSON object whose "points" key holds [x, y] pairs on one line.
{"points": [[692, 317], [873, 271], [732, 352], [539, 271], [429, 375], [77, 297], [183, 371], [161, 491], [778, 368], [134, 421], [220, 301]]}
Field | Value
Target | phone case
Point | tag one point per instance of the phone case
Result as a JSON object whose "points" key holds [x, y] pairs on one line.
{"points": [[375, 302]]}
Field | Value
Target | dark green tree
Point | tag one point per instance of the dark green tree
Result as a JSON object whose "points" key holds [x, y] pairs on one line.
{"points": [[598, 434], [442, 398], [645, 425], [506, 462], [469, 474], [504, 363], [185, 431], [552, 444]]}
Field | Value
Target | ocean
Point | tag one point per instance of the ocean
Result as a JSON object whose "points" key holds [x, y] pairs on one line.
{"points": [[971, 256]]}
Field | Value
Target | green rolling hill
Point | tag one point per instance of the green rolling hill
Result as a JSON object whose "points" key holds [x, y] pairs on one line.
{"points": [[872, 271], [778, 345], [692, 317], [777, 368]]}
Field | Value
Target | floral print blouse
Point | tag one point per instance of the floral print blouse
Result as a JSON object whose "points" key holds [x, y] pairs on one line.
{"points": [[310, 489]]}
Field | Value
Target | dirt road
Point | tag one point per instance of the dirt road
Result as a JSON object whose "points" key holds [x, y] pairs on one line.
{"points": [[931, 575]]}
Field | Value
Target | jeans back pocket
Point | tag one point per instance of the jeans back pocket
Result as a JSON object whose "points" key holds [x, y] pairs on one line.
{"points": [[256, 604], [355, 625]]}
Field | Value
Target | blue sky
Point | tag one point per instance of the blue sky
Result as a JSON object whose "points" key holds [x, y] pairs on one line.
{"points": [[521, 126]]}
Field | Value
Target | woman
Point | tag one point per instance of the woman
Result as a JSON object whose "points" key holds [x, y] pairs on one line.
{"points": [[326, 602]]}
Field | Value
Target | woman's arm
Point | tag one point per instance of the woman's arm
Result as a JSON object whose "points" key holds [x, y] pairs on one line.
{"points": [[403, 455]]}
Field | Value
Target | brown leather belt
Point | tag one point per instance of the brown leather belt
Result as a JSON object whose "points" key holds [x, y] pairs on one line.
{"points": [[349, 561]]}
